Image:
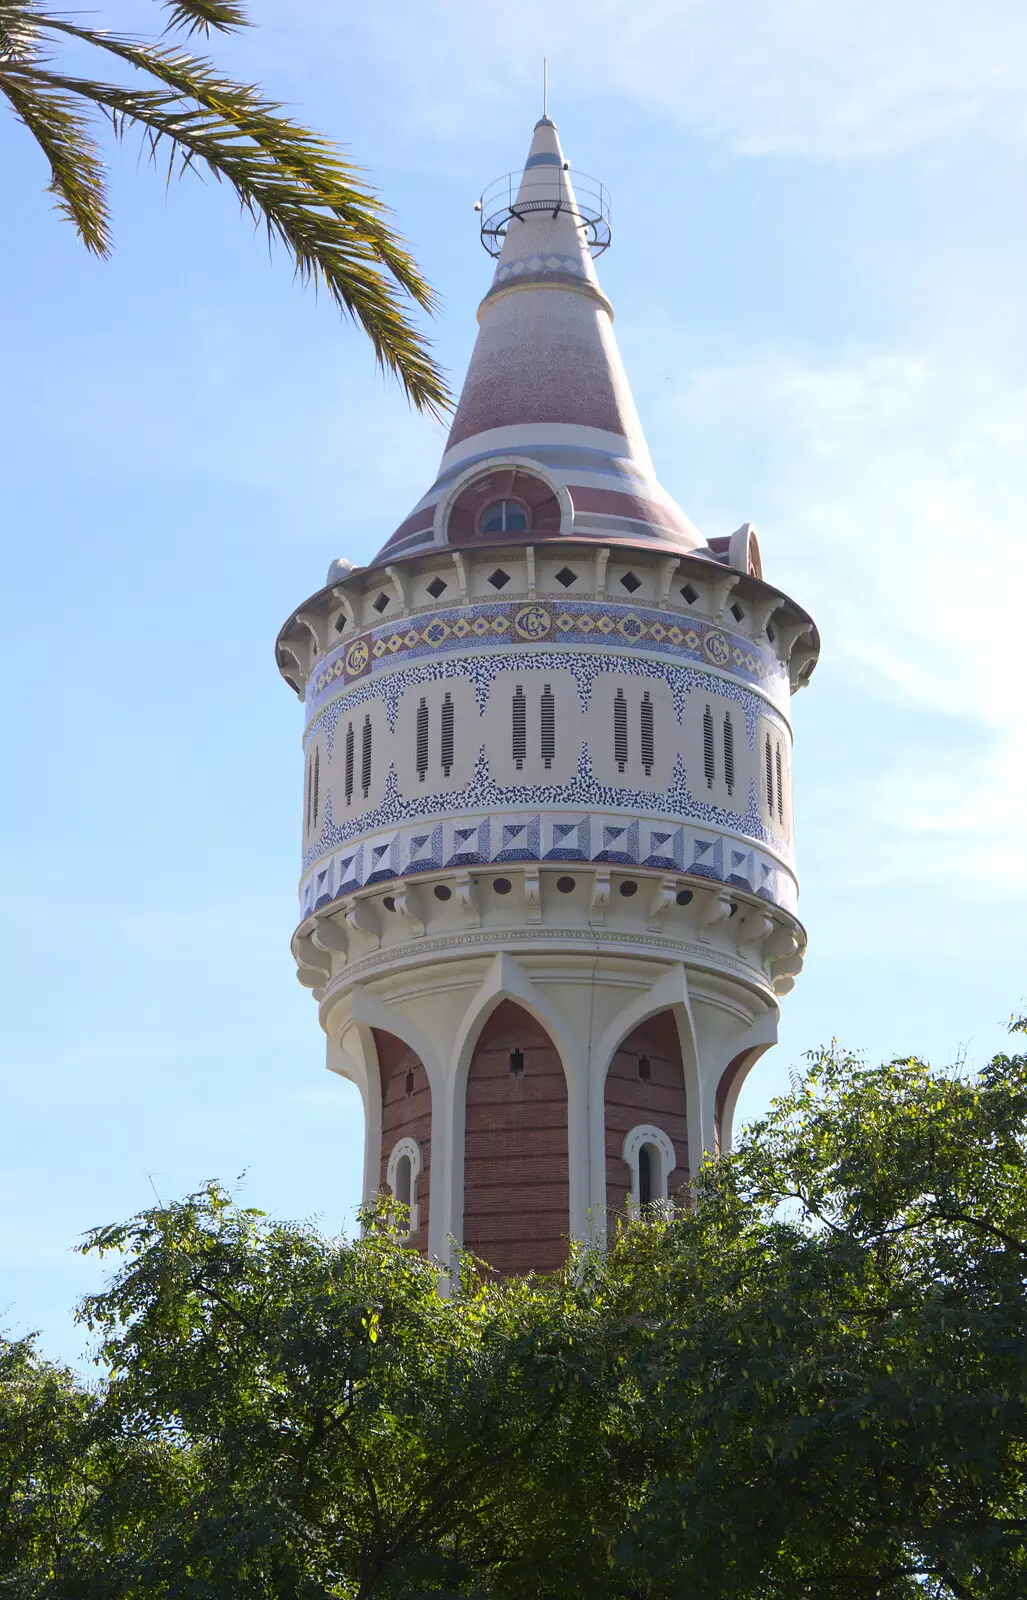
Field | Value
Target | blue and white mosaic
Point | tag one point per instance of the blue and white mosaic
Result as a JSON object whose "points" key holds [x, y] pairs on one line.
{"points": [[479, 841], [486, 624]]}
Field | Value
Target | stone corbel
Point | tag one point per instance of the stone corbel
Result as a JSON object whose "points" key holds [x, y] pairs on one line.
{"points": [[314, 626], [406, 902], [785, 636], [666, 578], [460, 566], [343, 607], [716, 910], [362, 920], [529, 564], [329, 935], [664, 896], [783, 959], [761, 614], [718, 593], [466, 891], [602, 558], [533, 894], [313, 966], [798, 661], [600, 892], [398, 580], [752, 936]]}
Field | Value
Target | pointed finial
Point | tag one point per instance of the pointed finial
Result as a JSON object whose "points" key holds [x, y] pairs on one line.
{"points": [[545, 86]]}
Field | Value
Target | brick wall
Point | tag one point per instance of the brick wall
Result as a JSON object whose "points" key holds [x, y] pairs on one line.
{"points": [[631, 1100], [406, 1110], [516, 1195]]}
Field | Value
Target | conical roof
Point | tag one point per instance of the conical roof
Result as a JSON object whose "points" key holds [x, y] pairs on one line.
{"points": [[546, 417]]}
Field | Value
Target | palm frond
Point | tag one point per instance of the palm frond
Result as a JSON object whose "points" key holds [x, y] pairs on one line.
{"points": [[309, 158], [321, 227], [77, 183], [19, 31], [199, 16]]}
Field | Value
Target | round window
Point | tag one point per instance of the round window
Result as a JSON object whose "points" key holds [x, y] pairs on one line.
{"points": [[503, 516]]}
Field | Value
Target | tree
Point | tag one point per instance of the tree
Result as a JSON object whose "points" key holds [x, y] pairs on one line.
{"points": [[309, 198], [812, 1381]]}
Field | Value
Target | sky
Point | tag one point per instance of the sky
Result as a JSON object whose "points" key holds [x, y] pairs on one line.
{"points": [[817, 269]]}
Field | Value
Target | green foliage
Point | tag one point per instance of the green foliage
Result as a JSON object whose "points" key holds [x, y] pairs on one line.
{"points": [[810, 1382], [308, 197]]}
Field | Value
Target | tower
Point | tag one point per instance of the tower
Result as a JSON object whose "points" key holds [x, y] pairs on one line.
{"points": [[548, 896]]}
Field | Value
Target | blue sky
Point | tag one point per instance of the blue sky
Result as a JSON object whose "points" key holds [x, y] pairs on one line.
{"points": [[819, 237]]}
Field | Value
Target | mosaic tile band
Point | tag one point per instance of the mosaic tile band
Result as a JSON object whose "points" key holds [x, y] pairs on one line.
{"points": [[617, 840], [659, 633]]}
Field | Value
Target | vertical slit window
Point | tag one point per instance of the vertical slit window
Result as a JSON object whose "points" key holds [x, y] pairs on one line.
{"points": [[517, 1063], [519, 727], [317, 782], [548, 726], [365, 756], [422, 739], [770, 775], [707, 747], [446, 744], [729, 753], [780, 786], [620, 730], [349, 763], [648, 740], [310, 788], [645, 1176]]}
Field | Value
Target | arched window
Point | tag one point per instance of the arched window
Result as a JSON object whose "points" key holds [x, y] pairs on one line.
{"points": [[503, 516], [402, 1173], [650, 1157]]}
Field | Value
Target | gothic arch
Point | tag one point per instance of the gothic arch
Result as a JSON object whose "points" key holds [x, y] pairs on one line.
{"points": [[645, 1086], [516, 1193], [406, 1121]]}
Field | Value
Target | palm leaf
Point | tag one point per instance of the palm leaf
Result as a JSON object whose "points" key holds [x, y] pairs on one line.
{"points": [[199, 16], [63, 134], [308, 197]]}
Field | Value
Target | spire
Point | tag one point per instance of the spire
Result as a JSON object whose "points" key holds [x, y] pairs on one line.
{"points": [[546, 384]]}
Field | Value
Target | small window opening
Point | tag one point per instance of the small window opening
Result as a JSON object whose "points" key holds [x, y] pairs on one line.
{"points": [[381, 602], [628, 888], [737, 612], [565, 885], [436, 587], [499, 579], [410, 1082], [645, 1068], [349, 764], [729, 753], [502, 885], [404, 1184], [566, 577], [365, 757], [689, 594], [771, 635], [503, 516], [620, 730], [645, 1175], [647, 736], [683, 897], [442, 891], [517, 1063], [340, 622], [547, 738], [707, 746], [519, 728], [447, 741], [389, 902], [422, 740], [630, 582]]}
